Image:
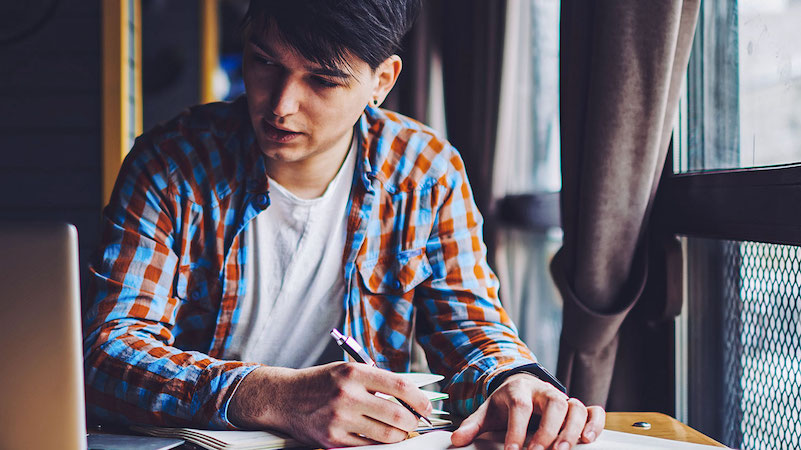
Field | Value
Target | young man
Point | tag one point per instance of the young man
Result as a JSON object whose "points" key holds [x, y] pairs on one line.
{"points": [[240, 233]]}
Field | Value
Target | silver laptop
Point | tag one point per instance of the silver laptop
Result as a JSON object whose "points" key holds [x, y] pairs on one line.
{"points": [[41, 376], [41, 360]]}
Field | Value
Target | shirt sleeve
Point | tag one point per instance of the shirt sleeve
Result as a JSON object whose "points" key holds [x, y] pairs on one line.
{"points": [[133, 372], [464, 330]]}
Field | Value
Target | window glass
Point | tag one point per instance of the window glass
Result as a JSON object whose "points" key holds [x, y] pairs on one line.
{"points": [[770, 82], [744, 85]]}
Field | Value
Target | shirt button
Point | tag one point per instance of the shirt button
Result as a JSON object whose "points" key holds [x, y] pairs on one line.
{"points": [[262, 201], [196, 295], [396, 285]]}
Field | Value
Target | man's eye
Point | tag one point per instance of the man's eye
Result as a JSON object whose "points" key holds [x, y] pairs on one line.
{"points": [[325, 83], [262, 60]]}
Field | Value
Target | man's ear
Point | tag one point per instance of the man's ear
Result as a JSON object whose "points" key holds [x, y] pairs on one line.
{"points": [[387, 74]]}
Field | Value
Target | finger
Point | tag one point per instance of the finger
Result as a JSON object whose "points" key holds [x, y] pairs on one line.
{"points": [[470, 427], [389, 412], [596, 420], [379, 431], [379, 380], [355, 440], [519, 412], [573, 426], [553, 409], [347, 440]]}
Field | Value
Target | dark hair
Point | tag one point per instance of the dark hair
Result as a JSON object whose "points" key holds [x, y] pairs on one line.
{"points": [[326, 31]]}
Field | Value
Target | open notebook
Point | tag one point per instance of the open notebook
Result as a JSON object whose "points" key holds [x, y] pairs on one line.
{"points": [[253, 440]]}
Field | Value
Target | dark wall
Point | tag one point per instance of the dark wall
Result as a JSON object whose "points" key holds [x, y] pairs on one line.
{"points": [[170, 58], [50, 118]]}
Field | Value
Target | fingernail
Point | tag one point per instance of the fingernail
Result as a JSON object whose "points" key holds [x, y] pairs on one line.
{"points": [[512, 447], [538, 447], [564, 446], [590, 435]]}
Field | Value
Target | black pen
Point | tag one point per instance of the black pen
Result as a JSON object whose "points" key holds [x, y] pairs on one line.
{"points": [[356, 352]]}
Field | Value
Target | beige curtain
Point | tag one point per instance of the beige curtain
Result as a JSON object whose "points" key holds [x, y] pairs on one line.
{"points": [[622, 66]]}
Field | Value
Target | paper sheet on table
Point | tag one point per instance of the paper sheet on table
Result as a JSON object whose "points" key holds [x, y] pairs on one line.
{"points": [[421, 379], [611, 440]]}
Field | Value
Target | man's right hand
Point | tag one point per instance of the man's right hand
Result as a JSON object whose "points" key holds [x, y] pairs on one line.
{"points": [[331, 405]]}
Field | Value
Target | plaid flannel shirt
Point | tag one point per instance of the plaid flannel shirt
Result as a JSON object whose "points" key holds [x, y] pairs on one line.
{"points": [[170, 273]]}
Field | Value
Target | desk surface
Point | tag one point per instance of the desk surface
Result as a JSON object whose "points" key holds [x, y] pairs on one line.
{"points": [[662, 426]]}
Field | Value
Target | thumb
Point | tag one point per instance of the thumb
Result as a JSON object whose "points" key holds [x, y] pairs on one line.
{"points": [[470, 427]]}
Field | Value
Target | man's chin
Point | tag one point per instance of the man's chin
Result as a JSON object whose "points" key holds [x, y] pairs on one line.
{"points": [[282, 153]]}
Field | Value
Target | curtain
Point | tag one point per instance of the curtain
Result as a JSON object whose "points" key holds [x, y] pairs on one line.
{"points": [[419, 91], [526, 162], [621, 69], [472, 53]]}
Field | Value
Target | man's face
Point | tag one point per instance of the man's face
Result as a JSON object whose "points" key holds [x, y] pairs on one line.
{"points": [[299, 109]]}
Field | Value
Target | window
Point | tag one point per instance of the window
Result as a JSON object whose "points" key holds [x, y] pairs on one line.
{"points": [[734, 196]]}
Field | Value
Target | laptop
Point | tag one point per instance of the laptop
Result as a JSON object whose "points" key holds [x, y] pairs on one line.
{"points": [[41, 378], [41, 360]]}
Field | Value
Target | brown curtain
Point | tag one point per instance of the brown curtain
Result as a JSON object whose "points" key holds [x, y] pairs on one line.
{"points": [[621, 69]]}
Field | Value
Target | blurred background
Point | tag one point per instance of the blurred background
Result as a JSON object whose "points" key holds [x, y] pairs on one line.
{"points": [[79, 80]]}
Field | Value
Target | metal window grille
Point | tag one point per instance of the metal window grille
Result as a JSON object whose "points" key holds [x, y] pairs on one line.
{"points": [[748, 343], [769, 344]]}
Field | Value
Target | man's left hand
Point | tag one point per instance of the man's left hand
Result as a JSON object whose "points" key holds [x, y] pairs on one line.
{"points": [[564, 421]]}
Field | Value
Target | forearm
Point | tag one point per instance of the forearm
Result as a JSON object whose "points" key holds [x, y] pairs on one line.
{"points": [[132, 377], [249, 407]]}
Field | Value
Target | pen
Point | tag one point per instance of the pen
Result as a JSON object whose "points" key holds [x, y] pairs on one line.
{"points": [[356, 352]]}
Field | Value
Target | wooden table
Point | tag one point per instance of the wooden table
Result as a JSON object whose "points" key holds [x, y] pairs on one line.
{"points": [[662, 426]]}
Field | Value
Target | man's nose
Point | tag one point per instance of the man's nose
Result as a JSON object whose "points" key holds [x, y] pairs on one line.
{"points": [[286, 97]]}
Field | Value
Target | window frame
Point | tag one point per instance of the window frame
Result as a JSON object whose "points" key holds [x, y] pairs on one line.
{"points": [[758, 204]]}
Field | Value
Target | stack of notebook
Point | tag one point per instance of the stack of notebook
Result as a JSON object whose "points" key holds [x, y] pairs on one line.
{"points": [[253, 440], [223, 440]]}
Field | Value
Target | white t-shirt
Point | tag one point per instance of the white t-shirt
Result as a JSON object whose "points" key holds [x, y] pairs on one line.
{"points": [[295, 284]]}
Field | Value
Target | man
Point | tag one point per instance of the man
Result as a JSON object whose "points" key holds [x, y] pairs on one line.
{"points": [[240, 233]]}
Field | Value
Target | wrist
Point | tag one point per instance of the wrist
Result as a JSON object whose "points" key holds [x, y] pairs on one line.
{"points": [[257, 401], [535, 369]]}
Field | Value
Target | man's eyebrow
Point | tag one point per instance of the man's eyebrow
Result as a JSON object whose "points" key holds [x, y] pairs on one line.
{"points": [[331, 72], [263, 47], [324, 71]]}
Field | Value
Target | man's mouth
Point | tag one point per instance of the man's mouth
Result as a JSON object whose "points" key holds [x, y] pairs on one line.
{"points": [[276, 134]]}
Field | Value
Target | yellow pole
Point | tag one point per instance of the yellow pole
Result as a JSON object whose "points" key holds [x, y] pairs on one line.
{"points": [[209, 49], [122, 96]]}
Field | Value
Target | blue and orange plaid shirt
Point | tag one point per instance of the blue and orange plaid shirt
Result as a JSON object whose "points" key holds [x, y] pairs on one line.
{"points": [[170, 272]]}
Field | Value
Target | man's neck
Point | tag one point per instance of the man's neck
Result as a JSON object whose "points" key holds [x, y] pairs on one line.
{"points": [[310, 177]]}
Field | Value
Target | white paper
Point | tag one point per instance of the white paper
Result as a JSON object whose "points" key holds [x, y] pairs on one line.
{"points": [[421, 379], [617, 440], [612, 440]]}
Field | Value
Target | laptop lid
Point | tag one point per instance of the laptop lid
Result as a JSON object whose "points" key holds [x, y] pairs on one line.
{"points": [[41, 378]]}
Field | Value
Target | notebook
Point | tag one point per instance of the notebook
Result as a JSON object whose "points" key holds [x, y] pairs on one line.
{"points": [[252, 440]]}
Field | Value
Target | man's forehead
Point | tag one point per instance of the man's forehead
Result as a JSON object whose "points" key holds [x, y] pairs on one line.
{"points": [[343, 71], [268, 38]]}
